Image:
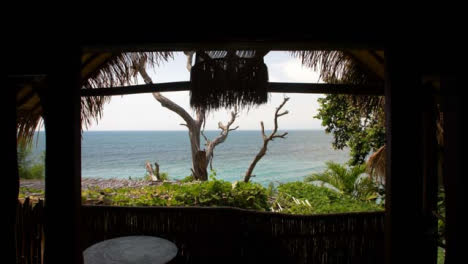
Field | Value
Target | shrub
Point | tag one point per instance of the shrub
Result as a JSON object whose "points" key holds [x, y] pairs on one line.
{"points": [[304, 198], [28, 166], [27, 191], [189, 178], [350, 180], [208, 193]]}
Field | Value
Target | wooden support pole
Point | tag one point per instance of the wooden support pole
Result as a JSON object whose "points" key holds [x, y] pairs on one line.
{"points": [[273, 87], [429, 164], [61, 103], [405, 233], [10, 170], [454, 168]]}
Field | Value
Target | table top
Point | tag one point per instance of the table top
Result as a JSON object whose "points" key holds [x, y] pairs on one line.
{"points": [[131, 249]]}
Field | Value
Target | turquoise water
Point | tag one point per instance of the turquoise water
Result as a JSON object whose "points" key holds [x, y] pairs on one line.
{"points": [[122, 154]]}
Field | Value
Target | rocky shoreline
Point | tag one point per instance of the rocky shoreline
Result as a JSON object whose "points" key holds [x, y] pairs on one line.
{"points": [[87, 183]]}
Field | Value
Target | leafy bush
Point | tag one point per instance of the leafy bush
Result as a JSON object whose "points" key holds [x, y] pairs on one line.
{"points": [[352, 181], [28, 166], [189, 178], [208, 193], [163, 176], [305, 198], [26, 191]]}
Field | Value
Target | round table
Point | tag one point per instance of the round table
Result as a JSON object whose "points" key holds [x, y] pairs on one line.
{"points": [[131, 249]]}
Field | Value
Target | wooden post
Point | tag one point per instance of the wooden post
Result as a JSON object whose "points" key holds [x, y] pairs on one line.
{"points": [[455, 133], [404, 236], [10, 167], [61, 103], [429, 153]]}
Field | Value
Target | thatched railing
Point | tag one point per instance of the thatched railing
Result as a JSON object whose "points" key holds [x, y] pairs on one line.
{"points": [[229, 234], [29, 232]]}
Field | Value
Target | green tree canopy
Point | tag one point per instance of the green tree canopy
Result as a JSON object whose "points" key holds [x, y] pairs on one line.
{"points": [[355, 121]]}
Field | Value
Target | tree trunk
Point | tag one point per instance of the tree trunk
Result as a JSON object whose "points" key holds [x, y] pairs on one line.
{"points": [[259, 155], [199, 164]]}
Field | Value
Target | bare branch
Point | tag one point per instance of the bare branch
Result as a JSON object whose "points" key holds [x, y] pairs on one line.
{"points": [[266, 140], [280, 136], [263, 131], [225, 129], [165, 102], [206, 139]]}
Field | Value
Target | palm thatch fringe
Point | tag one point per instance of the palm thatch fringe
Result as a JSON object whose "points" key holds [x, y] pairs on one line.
{"points": [[337, 67], [120, 69], [98, 70], [342, 68], [376, 164], [27, 123], [228, 79]]}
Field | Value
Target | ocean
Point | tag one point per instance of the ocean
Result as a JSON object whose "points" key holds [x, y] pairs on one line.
{"points": [[123, 154]]}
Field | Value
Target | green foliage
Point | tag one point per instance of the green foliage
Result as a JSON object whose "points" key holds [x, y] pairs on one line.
{"points": [[441, 216], [305, 198], [357, 124], [208, 193], [28, 166], [212, 175], [348, 180], [440, 255], [26, 191], [164, 176], [189, 178], [271, 190]]}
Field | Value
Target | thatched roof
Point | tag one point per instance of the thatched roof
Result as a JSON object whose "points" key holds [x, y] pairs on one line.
{"points": [[97, 70], [110, 69]]}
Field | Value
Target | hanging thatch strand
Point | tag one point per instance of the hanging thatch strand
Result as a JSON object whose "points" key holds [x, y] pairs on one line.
{"points": [[228, 79]]}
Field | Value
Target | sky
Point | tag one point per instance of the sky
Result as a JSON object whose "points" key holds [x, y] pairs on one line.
{"points": [[143, 112]]}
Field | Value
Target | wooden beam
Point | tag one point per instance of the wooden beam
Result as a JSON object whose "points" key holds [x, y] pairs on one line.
{"points": [[325, 88], [274, 87], [137, 89]]}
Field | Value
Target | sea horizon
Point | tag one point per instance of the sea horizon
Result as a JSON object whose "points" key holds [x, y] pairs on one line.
{"points": [[123, 154]]}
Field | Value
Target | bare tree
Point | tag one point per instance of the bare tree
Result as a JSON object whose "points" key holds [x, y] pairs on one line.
{"points": [[225, 129], [200, 158], [267, 139]]}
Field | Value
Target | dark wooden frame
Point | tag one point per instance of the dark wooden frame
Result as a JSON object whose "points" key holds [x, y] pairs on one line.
{"points": [[404, 233]]}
